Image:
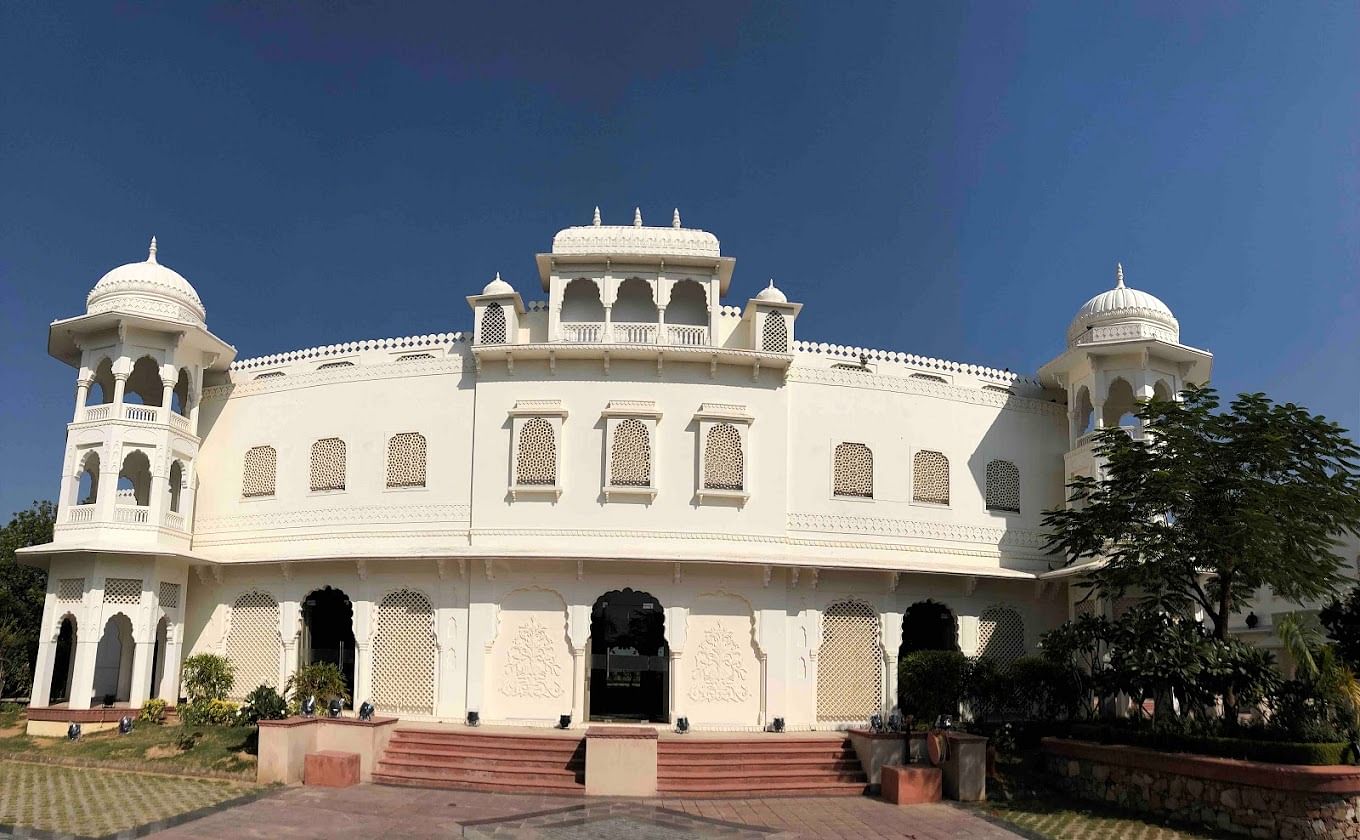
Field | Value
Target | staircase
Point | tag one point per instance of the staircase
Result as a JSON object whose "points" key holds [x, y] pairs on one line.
{"points": [[772, 765], [495, 762]]}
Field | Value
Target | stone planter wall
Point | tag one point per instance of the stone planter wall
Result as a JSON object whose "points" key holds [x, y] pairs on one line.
{"points": [[1245, 797]]}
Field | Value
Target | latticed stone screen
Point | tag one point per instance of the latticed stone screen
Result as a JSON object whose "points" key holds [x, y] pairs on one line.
{"points": [[169, 596], [1001, 634], [854, 471], [253, 643], [1086, 606], [1003, 486], [122, 591], [415, 357], [493, 324], [334, 365], [997, 388], [536, 460], [406, 460], [71, 590], [630, 457], [850, 664], [328, 464], [273, 374], [257, 474], [930, 477], [724, 464], [930, 377], [775, 337], [404, 654]]}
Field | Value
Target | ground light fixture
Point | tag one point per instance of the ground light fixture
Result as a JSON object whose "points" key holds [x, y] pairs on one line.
{"points": [[124, 725], [1252, 620], [682, 725], [876, 723], [366, 711], [564, 722], [73, 732], [309, 706], [474, 719], [334, 707], [777, 725], [895, 721]]}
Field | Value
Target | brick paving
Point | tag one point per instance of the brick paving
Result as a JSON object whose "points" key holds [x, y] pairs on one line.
{"points": [[375, 811]]}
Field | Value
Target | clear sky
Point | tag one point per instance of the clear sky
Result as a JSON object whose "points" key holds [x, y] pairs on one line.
{"points": [[939, 178]]}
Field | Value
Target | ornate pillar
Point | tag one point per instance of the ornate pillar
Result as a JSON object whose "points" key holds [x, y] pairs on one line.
{"points": [[119, 386], [143, 657], [890, 629], [578, 636], [167, 394], [608, 321], [82, 674], [168, 690], [82, 394], [47, 652]]}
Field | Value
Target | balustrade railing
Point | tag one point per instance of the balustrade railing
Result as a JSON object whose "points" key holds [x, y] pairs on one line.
{"points": [[174, 520], [624, 332], [142, 413], [98, 412], [630, 332], [686, 336], [583, 333], [131, 515], [179, 421], [80, 514]]}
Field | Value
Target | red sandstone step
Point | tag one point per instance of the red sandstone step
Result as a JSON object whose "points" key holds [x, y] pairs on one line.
{"points": [[490, 748], [405, 780], [700, 791], [671, 762], [537, 776], [486, 757], [480, 765], [501, 742], [842, 772]]}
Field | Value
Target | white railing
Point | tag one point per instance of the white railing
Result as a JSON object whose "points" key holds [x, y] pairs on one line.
{"points": [[179, 421], [685, 336], [143, 413], [624, 332], [80, 514], [174, 520], [98, 412], [132, 515], [583, 333]]}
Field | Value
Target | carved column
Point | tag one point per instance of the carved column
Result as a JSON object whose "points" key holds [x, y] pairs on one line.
{"points": [[143, 657], [47, 651], [82, 394], [168, 690], [82, 674]]}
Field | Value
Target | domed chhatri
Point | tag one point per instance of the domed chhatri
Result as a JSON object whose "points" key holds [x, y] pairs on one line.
{"points": [[498, 287], [147, 288], [771, 294], [1123, 305], [672, 240]]}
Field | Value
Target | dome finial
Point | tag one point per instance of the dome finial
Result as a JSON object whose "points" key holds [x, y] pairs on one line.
{"points": [[1119, 275], [151, 253], [596, 221], [675, 218], [637, 217]]}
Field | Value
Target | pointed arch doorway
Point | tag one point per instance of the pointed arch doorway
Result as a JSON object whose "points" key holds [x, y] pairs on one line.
{"points": [[328, 632], [629, 659]]}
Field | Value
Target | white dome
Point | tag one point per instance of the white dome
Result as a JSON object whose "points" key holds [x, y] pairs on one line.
{"points": [[772, 294], [147, 288], [1144, 314], [498, 287]]}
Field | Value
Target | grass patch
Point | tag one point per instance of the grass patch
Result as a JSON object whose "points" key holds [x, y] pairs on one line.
{"points": [[218, 751]]}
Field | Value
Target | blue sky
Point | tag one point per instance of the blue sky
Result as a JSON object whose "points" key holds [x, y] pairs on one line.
{"points": [[940, 178]]}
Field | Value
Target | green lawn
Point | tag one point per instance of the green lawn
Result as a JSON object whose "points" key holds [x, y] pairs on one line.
{"points": [[225, 752], [95, 802]]}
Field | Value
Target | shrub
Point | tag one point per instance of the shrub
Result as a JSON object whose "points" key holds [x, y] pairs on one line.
{"points": [[264, 703], [210, 713], [186, 740], [931, 683], [1043, 689], [207, 676], [321, 680], [990, 691], [153, 711], [1258, 748]]}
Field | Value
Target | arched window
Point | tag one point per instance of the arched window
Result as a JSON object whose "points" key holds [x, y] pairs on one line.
{"points": [[176, 485], [134, 480], [1001, 634], [328, 464], [930, 477], [1003, 486], [257, 474], [253, 643], [406, 460], [724, 464], [494, 330], [630, 457], [688, 305], [404, 654], [179, 397], [1085, 412], [1120, 407], [87, 491], [854, 471], [581, 301], [536, 460], [634, 303], [774, 338], [102, 382], [1162, 391]]}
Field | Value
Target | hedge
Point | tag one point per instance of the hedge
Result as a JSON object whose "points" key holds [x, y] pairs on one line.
{"points": [[1249, 749]]}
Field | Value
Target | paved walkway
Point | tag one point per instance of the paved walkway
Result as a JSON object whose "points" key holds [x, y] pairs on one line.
{"points": [[376, 811]]}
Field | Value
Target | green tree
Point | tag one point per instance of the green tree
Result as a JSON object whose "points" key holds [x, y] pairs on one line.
{"points": [[1206, 506], [1342, 619], [22, 590]]}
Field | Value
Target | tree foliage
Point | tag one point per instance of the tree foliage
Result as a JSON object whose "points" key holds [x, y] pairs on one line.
{"points": [[1342, 619], [207, 677], [22, 591], [1205, 507]]}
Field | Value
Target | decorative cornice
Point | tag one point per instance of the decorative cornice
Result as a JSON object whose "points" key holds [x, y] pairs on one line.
{"points": [[411, 343], [923, 387], [925, 363], [355, 373], [916, 529], [366, 514]]}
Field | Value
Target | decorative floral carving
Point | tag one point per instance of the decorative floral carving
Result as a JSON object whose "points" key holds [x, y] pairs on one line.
{"points": [[719, 674], [531, 669]]}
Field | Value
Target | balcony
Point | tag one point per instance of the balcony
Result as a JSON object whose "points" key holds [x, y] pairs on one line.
{"points": [[625, 332], [136, 413]]}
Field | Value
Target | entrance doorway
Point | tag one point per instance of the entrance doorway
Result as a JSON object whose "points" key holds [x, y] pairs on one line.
{"points": [[63, 662], [629, 659], [328, 632], [927, 625]]}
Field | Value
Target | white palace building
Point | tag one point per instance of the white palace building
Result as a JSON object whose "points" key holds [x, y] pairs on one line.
{"points": [[629, 501]]}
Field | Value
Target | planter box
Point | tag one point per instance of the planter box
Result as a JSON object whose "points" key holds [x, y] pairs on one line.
{"points": [[1245, 797]]}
